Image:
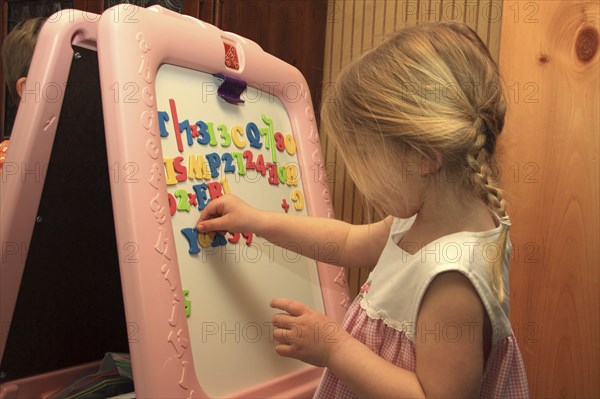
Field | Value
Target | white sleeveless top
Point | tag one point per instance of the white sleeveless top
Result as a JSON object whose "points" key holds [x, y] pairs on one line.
{"points": [[466, 252], [384, 315]]}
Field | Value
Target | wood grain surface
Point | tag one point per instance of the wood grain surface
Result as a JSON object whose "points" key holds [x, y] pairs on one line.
{"points": [[550, 62]]}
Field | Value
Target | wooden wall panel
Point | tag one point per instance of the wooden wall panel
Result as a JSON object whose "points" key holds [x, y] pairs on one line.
{"points": [[355, 26], [550, 166], [292, 30]]}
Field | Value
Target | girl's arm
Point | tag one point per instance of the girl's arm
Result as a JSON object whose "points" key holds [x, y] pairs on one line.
{"points": [[448, 340], [327, 240]]}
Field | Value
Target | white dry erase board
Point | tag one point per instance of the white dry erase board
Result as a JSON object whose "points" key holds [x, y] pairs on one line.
{"points": [[191, 112], [230, 279]]}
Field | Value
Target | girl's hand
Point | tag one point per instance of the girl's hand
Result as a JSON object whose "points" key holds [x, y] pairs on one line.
{"points": [[228, 213], [306, 335]]}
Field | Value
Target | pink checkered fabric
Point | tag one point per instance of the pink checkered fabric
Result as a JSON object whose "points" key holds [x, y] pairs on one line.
{"points": [[504, 375]]}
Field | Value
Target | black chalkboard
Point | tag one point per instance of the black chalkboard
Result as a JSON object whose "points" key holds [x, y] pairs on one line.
{"points": [[70, 306]]}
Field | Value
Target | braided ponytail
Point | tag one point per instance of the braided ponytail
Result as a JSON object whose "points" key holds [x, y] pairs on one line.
{"points": [[480, 162]]}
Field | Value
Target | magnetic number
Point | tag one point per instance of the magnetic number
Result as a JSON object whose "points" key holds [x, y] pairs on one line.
{"points": [[183, 204]]}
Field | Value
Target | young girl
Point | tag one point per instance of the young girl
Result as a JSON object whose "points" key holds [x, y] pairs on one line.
{"points": [[416, 122]]}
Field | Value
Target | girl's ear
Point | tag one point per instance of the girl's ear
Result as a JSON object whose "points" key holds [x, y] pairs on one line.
{"points": [[431, 164], [20, 86]]}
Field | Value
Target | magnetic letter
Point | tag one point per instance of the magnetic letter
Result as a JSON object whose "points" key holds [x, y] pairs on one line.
{"points": [[191, 235]]}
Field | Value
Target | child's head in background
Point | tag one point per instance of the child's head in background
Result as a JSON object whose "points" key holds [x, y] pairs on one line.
{"points": [[17, 51], [423, 108]]}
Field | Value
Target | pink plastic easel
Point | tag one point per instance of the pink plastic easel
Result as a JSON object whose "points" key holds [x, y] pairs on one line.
{"points": [[159, 70]]}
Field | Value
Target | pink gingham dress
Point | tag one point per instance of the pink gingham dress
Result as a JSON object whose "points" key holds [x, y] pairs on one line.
{"points": [[384, 315]]}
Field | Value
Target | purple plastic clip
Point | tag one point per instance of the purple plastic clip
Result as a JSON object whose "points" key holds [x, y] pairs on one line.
{"points": [[231, 89]]}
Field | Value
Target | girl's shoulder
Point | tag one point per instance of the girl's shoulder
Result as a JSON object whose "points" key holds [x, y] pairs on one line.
{"points": [[400, 280]]}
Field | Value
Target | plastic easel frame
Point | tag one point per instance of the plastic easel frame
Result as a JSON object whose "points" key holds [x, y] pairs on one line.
{"points": [[133, 53], [24, 172], [132, 43]]}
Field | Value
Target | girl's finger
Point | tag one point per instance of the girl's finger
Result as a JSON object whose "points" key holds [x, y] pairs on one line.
{"points": [[287, 336], [218, 224], [288, 305], [284, 350], [282, 320], [214, 209]]}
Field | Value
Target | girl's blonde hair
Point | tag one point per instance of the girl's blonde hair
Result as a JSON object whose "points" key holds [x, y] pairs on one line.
{"points": [[427, 91]]}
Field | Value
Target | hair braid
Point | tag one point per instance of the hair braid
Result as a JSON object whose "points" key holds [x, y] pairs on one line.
{"points": [[479, 161]]}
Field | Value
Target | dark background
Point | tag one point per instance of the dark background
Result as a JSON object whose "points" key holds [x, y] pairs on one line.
{"points": [[293, 30]]}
